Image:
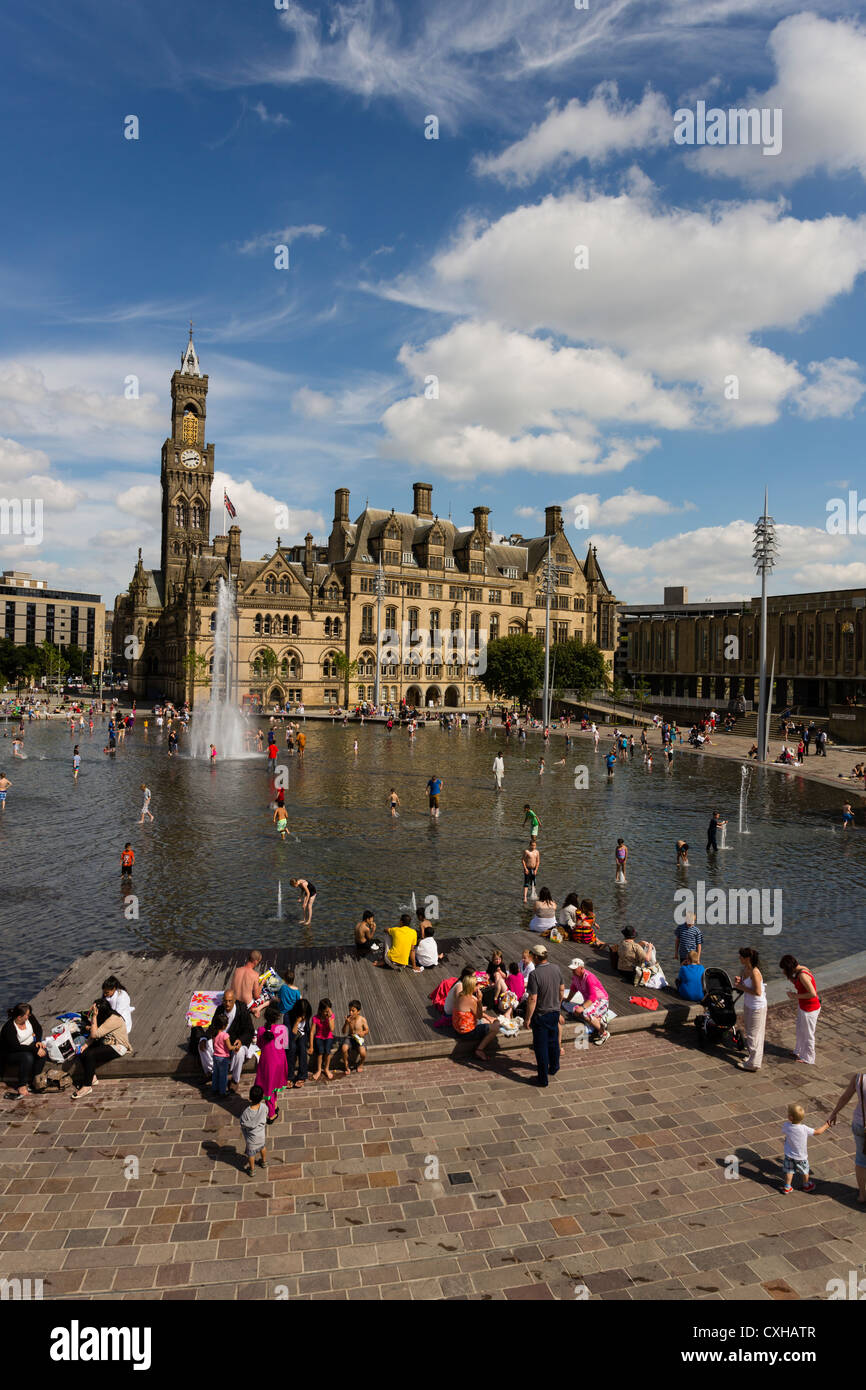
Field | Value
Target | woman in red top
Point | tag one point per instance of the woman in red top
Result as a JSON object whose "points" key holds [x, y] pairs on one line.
{"points": [[809, 1007]]}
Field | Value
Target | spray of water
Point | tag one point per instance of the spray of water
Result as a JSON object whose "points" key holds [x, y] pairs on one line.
{"points": [[220, 722], [745, 779]]}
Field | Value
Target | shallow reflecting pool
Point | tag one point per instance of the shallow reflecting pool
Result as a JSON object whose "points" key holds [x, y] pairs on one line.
{"points": [[207, 870]]}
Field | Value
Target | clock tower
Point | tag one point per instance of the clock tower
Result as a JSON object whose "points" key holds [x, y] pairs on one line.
{"points": [[187, 470]]}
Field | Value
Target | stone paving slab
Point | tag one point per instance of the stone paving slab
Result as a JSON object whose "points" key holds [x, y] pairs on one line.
{"points": [[612, 1180]]}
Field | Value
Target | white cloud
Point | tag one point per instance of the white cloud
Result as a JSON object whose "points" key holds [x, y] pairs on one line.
{"points": [[313, 405], [834, 390], [821, 92], [283, 236], [616, 511], [679, 295], [275, 118], [593, 130]]}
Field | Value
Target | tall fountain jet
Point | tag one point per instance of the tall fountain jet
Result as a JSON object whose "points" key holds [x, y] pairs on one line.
{"points": [[220, 722]]}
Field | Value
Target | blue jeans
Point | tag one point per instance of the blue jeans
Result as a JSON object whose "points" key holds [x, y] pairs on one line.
{"points": [[545, 1043], [220, 1076]]}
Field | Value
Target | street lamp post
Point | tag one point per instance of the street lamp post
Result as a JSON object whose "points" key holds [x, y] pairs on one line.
{"points": [[764, 555], [550, 573], [380, 594]]}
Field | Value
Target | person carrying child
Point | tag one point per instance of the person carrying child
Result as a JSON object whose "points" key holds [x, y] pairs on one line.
{"points": [[796, 1156], [356, 1032], [253, 1122]]}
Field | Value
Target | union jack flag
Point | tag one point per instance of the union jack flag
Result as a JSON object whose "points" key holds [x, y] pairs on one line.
{"points": [[228, 506]]}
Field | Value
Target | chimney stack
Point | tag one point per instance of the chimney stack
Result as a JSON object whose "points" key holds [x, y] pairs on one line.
{"points": [[308, 555], [341, 504], [423, 495], [481, 514], [552, 520]]}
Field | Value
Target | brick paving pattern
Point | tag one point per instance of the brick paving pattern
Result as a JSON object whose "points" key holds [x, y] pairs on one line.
{"points": [[613, 1179]]}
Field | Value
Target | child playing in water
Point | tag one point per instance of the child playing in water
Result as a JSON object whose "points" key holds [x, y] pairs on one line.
{"points": [[356, 1031], [847, 815], [212, 756], [281, 821], [127, 859], [394, 802]]}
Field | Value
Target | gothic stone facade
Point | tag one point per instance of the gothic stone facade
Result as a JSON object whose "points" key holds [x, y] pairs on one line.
{"points": [[302, 605]]}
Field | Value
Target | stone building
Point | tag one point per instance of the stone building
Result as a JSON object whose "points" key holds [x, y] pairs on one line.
{"points": [[299, 608]]}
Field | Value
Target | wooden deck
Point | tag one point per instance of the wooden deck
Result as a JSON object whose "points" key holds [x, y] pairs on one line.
{"points": [[396, 1005]]}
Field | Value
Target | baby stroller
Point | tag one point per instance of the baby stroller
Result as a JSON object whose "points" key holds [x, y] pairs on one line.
{"points": [[718, 1022]]}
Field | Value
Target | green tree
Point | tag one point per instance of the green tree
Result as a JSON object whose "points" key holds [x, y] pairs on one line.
{"points": [[579, 666], [79, 660], [641, 690], [515, 667]]}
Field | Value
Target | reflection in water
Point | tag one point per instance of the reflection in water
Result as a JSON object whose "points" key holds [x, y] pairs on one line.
{"points": [[207, 870]]}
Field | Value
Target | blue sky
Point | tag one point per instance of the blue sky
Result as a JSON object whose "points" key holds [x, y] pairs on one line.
{"points": [[605, 387]]}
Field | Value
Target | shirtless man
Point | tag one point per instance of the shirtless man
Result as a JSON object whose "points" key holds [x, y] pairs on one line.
{"points": [[5, 784], [365, 930], [531, 860]]}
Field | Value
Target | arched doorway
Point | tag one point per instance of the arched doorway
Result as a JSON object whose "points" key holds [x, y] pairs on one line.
{"points": [[277, 696], [452, 697], [413, 696], [433, 696]]}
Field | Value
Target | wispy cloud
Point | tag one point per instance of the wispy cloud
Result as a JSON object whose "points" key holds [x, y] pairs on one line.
{"points": [[281, 236]]}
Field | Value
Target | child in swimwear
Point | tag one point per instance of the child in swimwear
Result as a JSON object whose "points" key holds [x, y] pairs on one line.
{"points": [[394, 802], [847, 815], [280, 821], [356, 1033]]}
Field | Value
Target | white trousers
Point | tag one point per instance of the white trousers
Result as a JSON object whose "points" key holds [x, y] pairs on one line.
{"points": [[804, 1045], [755, 1024], [236, 1060]]}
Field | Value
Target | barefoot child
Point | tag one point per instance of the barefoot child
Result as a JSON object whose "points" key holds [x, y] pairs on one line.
{"points": [[394, 802], [323, 1038], [253, 1122], [127, 859], [355, 1033], [796, 1155]]}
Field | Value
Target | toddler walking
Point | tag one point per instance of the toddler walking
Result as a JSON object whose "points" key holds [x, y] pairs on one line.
{"points": [[796, 1155]]}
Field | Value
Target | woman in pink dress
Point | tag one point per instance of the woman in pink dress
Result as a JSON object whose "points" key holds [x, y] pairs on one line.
{"points": [[272, 1073]]}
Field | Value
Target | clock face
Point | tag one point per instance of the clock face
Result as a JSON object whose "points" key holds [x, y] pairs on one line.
{"points": [[190, 458]]}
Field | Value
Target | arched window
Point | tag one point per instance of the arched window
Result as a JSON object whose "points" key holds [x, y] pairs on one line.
{"points": [[367, 619], [434, 620], [197, 516], [180, 514], [455, 620], [329, 666], [334, 592], [337, 628], [286, 624], [284, 667], [267, 624], [270, 584], [296, 627], [474, 623], [414, 618], [256, 666], [190, 425], [391, 617], [514, 629], [327, 627], [494, 626], [284, 585], [257, 624]]}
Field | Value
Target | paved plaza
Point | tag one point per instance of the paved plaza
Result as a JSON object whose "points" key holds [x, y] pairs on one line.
{"points": [[609, 1185]]}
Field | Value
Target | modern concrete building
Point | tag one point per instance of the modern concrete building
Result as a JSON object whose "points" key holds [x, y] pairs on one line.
{"points": [[711, 650], [33, 614]]}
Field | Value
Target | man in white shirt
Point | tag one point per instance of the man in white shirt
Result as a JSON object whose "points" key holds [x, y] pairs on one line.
{"points": [[498, 771], [427, 951]]}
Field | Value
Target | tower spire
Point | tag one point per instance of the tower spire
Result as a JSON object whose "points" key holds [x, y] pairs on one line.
{"points": [[189, 365]]}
